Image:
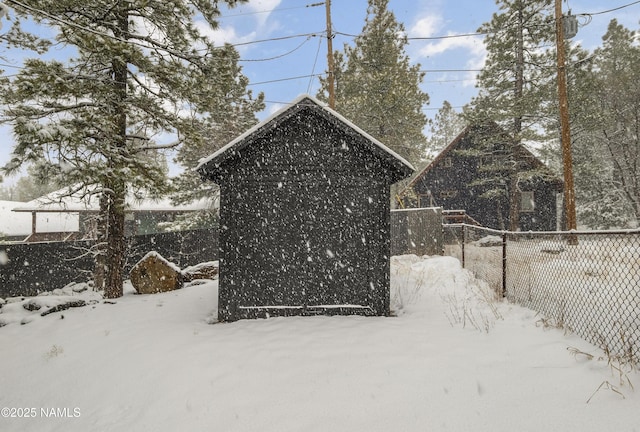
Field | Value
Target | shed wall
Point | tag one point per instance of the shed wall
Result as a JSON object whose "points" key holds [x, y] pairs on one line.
{"points": [[304, 227]]}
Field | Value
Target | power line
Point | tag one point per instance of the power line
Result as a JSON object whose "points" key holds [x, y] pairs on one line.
{"points": [[485, 33], [313, 69], [10, 66], [279, 38], [275, 102], [147, 46], [96, 32], [439, 108], [408, 37], [271, 11], [448, 81], [450, 70], [283, 79], [273, 39], [281, 55], [426, 37], [322, 74], [448, 36], [611, 10]]}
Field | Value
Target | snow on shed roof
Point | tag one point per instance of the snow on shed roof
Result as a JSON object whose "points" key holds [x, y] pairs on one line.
{"points": [[272, 121], [62, 201]]}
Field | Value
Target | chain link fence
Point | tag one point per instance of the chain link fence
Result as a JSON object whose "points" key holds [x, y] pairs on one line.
{"points": [[416, 231], [586, 282]]}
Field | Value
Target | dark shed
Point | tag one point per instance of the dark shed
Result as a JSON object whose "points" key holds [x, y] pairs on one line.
{"points": [[304, 216]]}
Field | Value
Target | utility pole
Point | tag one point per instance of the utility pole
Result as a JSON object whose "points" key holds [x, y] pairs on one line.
{"points": [[565, 136], [330, 64], [514, 194]]}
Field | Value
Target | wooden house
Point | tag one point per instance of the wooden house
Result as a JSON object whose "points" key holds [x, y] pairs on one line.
{"points": [[475, 173], [304, 216]]}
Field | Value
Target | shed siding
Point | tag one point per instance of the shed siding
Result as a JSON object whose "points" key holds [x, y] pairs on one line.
{"points": [[304, 224]]}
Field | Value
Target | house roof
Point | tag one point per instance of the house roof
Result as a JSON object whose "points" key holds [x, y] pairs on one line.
{"points": [[272, 122], [11, 223], [61, 201], [21, 224], [521, 151]]}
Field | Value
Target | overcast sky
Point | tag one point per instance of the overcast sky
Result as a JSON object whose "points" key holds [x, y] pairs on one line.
{"points": [[280, 40]]}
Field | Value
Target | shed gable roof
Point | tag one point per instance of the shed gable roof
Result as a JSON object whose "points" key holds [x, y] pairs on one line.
{"points": [[212, 163]]}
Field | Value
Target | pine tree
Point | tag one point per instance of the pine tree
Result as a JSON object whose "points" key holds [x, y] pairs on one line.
{"points": [[446, 125], [227, 110], [616, 106], [91, 122], [15, 36], [513, 86], [29, 187], [376, 86], [598, 206], [512, 82], [603, 96]]}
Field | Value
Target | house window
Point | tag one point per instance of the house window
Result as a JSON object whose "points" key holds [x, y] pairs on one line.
{"points": [[486, 161], [448, 193], [425, 200], [493, 162], [527, 204]]}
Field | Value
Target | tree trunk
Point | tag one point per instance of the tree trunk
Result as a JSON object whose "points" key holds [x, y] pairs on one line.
{"points": [[499, 212], [100, 248], [514, 202], [115, 187], [116, 246]]}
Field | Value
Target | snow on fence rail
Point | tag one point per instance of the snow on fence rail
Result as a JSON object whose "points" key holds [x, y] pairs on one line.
{"points": [[587, 282]]}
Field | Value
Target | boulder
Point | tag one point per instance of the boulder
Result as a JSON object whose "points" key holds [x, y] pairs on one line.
{"points": [[205, 270], [490, 241], [154, 274]]}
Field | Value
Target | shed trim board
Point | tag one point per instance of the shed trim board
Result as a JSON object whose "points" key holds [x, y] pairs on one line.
{"points": [[304, 216]]}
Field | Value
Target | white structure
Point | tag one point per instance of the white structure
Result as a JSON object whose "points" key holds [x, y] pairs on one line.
{"points": [[13, 225], [63, 216]]}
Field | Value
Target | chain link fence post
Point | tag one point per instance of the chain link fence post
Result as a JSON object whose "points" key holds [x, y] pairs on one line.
{"points": [[463, 242], [504, 264]]}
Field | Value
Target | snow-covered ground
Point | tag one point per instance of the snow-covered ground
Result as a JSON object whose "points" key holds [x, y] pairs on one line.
{"points": [[453, 359]]}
